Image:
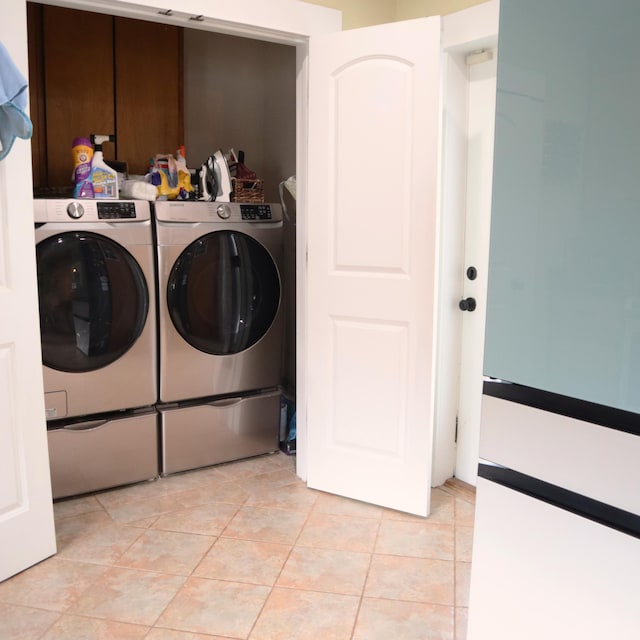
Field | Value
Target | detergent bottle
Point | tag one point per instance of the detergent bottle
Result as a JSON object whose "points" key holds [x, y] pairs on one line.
{"points": [[103, 178], [82, 153]]}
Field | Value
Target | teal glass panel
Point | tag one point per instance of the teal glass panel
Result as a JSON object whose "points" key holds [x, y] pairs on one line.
{"points": [[563, 309]]}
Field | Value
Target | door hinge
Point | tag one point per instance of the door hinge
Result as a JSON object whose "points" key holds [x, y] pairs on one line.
{"points": [[456, 436]]}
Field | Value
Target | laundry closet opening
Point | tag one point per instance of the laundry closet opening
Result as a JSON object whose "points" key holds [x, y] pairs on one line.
{"points": [[157, 87]]}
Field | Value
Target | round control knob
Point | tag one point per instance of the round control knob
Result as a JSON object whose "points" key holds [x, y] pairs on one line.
{"points": [[75, 210], [223, 212]]}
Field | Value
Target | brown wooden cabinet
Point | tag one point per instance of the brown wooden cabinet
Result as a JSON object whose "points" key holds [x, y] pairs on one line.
{"points": [[148, 91], [94, 73]]}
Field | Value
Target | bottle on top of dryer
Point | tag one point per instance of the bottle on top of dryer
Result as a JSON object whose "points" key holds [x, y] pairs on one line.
{"points": [[103, 178]]}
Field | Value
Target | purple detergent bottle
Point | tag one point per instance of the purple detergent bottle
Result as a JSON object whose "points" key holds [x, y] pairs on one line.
{"points": [[82, 152]]}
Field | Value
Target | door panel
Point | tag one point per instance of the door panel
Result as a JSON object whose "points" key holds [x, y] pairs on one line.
{"points": [[374, 113], [25, 486]]}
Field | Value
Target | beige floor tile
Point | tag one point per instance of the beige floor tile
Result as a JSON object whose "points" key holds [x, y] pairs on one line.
{"points": [[114, 498], [144, 508], [465, 513], [244, 561], [464, 543], [275, 479], [442, 510], [102, 545], [70, 627], [463, 581], [213, 492], [283, 460], [128, 595], [442, 507], [292, 614], [160, 487], [145, 523], [53, 584], [169, 634], [388, 619], [209, 520], [349, 533], [328, 570], [239, 529], [193, 479], [167, 552], [418, 539], [266, 525], [215, 607], [24, 623], [411, 579], [293, 497], [76, 507], [337, 505], [81, 524], [245, 468]]}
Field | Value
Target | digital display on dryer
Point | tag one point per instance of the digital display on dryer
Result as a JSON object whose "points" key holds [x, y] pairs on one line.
{"points": [[116, 210], [255, 211]]}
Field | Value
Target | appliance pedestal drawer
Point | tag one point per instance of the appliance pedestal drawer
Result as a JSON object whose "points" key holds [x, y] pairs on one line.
{"points": [[99, 453], [218, 431]]}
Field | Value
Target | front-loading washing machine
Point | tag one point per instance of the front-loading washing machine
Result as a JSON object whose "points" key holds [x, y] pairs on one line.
{"points": [[220, 331], [96, 292]]}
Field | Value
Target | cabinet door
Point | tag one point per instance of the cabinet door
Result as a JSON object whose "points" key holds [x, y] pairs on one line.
{"points": [[148, 91], [78, 76]]}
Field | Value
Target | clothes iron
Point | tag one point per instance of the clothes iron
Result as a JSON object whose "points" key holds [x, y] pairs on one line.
{"points": [[215, 181]]}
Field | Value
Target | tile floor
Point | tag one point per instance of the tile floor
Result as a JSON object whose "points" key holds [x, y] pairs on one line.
{"points": [[245, 550]]}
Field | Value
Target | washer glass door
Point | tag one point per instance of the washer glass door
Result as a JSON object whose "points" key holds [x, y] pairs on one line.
{"points": [[223, 292], [93, 300]]}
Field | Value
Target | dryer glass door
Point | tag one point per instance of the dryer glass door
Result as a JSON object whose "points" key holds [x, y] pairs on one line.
{"points": [[223, 292], [93, 300]]}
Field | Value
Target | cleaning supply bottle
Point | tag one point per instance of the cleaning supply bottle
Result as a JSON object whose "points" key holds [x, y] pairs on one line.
{"points": [[103, 178], [82, 153]]}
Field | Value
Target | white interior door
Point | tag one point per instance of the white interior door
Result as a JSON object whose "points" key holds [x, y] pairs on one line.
{"points": [[374, 149], [26, 511]]}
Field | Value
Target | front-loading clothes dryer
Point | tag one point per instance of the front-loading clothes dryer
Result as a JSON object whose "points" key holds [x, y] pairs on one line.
{"points": [[96, 292], [220, 330]]}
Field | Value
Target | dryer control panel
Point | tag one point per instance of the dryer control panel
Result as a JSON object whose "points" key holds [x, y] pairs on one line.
{"points": [[88, 210], [218, 212], [255, 211], [116, 210]]}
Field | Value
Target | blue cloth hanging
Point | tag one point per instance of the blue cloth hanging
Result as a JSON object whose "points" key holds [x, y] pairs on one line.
{"points": [[14, 122]]}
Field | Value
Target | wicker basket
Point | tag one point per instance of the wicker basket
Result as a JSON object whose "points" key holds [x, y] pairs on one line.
{"points": [[245, 190]]}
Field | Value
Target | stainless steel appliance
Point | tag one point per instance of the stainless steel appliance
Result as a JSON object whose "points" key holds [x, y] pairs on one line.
{"points": [[96, 290], [220, 330]]}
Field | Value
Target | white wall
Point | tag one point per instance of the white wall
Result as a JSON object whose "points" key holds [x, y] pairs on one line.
{"points": [[241, 93], [362, 13]]}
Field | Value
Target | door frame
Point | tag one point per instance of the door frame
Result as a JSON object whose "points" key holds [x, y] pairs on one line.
{"points": [[464, 33], [294, 25]]}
